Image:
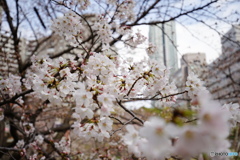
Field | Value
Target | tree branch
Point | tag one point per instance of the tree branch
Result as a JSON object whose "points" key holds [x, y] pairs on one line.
{"points": [[172, 18], [130, 112], [11, 100]]}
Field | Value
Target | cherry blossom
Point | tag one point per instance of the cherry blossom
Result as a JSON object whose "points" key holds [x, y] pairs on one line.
{"points": [[63, 145], [158, 144], [88, 87], [194, 85], [20, 144], [39, 139], [10, 85], [69, 27], [132, 140], [234, 113], [28, 128], [105, 124]]}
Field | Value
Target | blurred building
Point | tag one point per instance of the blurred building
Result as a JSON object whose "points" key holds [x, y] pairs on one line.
{"points": [[223, 78], [193, 62], [49, 45], [223, 75], [190, 62], [8, 58], [231, 40], [163, 36]]}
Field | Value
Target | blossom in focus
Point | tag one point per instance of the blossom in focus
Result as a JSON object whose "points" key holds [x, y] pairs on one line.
{"points": [[28, 128]]}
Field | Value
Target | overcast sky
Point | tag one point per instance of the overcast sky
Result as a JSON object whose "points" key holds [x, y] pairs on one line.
{"points": [[205, 35], [191, 38], [199, 38]]}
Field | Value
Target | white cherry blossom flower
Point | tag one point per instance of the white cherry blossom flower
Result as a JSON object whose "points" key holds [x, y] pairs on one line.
{"points": [[132, 140], [39, 139], [234, 113], [158, 144], [20, 144], [82, 97], [65, 72], [81, 113], [106, 99], [28, 128], [63, 145], [105, 124]]}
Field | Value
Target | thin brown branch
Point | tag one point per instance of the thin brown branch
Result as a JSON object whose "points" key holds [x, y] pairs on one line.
{"points": [[39, 17], [153, 99], [51, 143], [133, 85], [145, 12], [192, 120], [62, 52], [130, 112], [119, 129], [117, 119], [61, 128], [11, 100], [174, 17], [9, 149]]}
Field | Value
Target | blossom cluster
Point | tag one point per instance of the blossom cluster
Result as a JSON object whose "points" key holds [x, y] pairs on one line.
{"points": [[159, 140], [134, 40], [104, 30], [125, 10], [10, 85], [59, 80], [234, 110], [69, 26], [194, 85], [46, 85], [84, 4], [63, 145], [95, 86], [34, 145]]}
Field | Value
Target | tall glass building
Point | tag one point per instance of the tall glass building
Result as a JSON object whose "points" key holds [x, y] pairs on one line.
{"points": [[163, 36]]}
